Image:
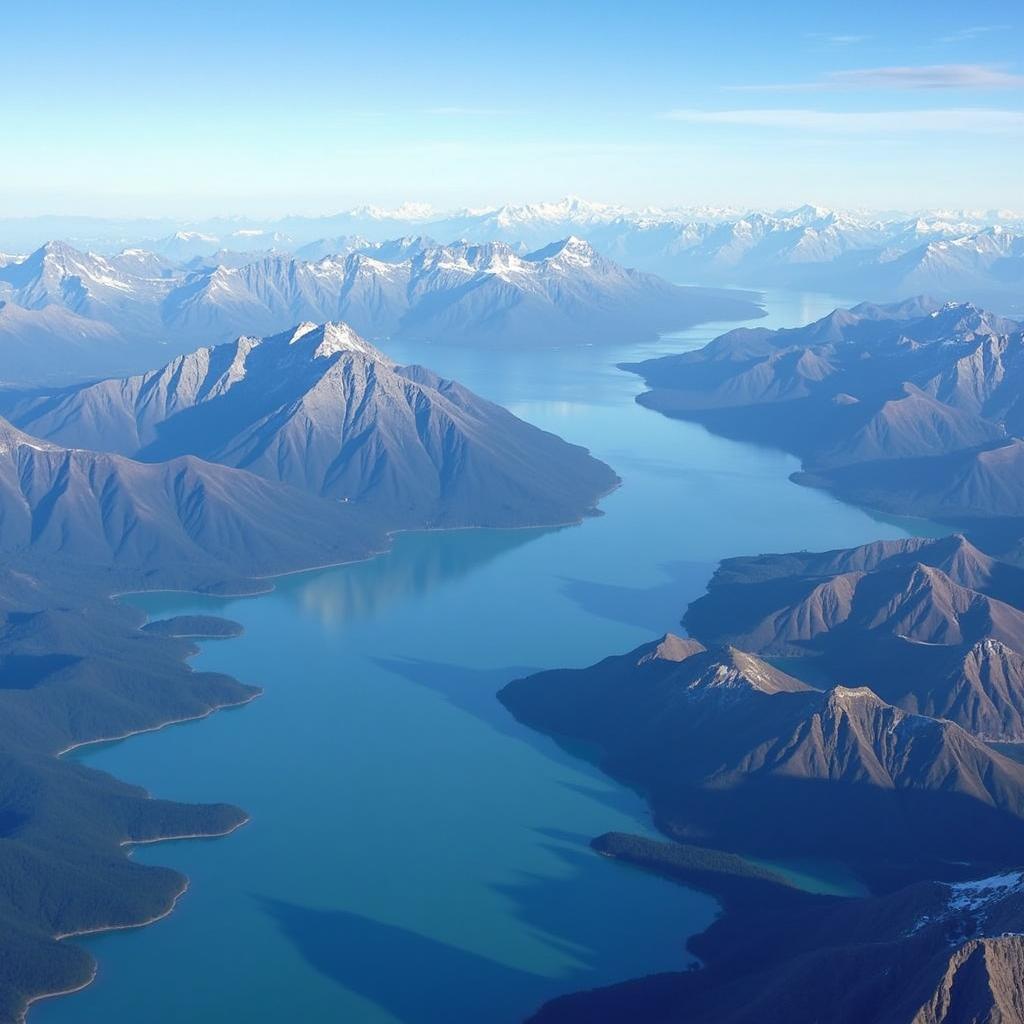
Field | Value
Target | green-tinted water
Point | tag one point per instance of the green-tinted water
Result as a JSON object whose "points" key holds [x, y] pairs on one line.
{"points": [[415, 855]]}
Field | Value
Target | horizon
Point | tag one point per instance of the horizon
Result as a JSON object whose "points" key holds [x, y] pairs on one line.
{"points": [[414, 212]]}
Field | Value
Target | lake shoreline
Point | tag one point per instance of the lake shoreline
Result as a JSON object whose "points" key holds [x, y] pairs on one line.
{"points": [[204, 591]]}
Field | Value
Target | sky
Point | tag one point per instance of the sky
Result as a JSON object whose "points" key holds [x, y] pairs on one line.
{"points": [[129, 109]]}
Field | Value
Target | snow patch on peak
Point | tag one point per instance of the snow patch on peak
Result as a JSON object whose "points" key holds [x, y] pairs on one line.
{"points": [[331, 338], [978, 894], [339, 337]]}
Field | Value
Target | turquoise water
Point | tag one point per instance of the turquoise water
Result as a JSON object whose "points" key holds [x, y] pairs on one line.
{"points": [[828, 879], [414, 855]]}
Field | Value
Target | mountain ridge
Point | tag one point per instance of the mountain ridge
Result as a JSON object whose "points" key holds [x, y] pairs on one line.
{"points": [[321, 410]]}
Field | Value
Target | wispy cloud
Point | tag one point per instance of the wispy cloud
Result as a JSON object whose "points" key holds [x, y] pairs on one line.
{"points": [[931, 76], [973, 32], [837, 40], [958, 119]]}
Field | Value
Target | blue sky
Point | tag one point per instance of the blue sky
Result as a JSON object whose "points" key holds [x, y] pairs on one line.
{"points": [[312, 107]]}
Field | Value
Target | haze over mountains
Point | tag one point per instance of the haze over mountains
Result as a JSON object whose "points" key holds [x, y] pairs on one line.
{"points": [[96, 313], [976, 255]]}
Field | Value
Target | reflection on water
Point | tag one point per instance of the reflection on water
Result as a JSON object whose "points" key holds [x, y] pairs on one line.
{"points": [[416, 564], [414, 853], [420, 564]]}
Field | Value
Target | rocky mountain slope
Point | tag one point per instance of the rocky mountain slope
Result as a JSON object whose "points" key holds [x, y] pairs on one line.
{"points": [[321, 410], [734, 753], [934, 627], [185, 519]]}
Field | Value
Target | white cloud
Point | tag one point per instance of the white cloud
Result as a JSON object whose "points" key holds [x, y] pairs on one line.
{"points": [[957, 119], [972, 32], [932, 76]]}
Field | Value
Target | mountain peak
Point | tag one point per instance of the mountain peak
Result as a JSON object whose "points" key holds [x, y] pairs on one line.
{"points": [[330, 338], [337, 336], [846, 698], [568, 252], [318, 408], [672, 648]]}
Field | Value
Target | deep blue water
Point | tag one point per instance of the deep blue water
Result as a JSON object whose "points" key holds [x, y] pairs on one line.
{"points": [[415, 855]]}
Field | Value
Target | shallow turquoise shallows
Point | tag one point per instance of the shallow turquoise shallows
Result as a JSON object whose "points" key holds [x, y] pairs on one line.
{"points": [[414, 854]]}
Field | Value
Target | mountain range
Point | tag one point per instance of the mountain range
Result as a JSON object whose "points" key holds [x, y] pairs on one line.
{"points": [[952, 254], [837, 705], [734, 753], [913, 407], [932, 626], [100, 314]]}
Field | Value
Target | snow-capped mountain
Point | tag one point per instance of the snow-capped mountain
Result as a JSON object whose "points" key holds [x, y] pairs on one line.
{"points": [[111, 292], [858, 253], [563, 294], [493, 294]]}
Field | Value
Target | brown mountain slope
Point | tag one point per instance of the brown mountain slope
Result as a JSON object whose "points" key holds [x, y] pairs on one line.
{"points": [[931, 625]]}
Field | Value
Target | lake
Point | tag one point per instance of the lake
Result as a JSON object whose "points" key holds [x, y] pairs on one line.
{"points": [[414, 854]]}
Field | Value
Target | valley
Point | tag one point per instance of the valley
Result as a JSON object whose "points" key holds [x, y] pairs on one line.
{"points": [[509, 838]]}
